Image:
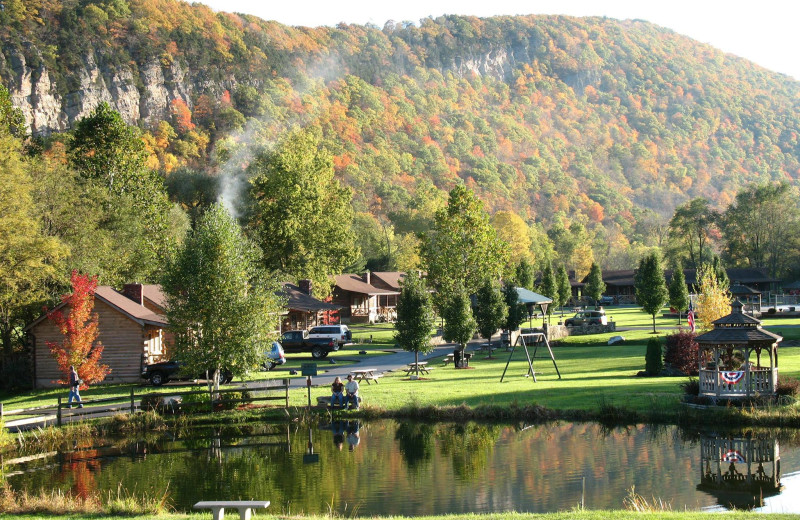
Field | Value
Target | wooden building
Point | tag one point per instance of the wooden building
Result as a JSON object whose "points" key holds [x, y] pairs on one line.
{"points": [[131, 330], [303, 310], [363, 302]]}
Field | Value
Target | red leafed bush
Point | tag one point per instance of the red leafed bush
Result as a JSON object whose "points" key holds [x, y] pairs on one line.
{"points": [[681, 352]]}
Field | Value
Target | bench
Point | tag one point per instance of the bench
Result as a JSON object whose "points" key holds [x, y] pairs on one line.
{"points": [[325, 400], [245, 507]]}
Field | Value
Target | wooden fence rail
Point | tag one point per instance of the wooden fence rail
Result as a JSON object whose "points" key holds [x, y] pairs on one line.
{"points": [[133, 402]]}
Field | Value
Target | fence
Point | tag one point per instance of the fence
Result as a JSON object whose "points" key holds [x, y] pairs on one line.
{"points": [[216, 400]]}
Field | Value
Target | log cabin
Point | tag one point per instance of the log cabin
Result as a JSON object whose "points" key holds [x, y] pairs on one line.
{"points": [[131, 329]]}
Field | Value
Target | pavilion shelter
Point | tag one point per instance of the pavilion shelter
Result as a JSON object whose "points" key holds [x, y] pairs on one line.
{"points": [[731, 357]]}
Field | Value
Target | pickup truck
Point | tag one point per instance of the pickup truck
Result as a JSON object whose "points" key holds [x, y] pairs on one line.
{"points": [[298, 341], [160, 373]]}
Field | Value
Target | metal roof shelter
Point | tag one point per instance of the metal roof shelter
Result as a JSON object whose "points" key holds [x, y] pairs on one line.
{"points": [[532, 299]]}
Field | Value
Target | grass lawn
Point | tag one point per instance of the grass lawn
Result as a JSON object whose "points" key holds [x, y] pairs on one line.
{"points": [[593, 373]]}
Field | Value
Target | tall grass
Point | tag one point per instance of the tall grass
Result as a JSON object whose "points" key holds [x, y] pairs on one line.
{"points": [[57, 502], [636, 502]]}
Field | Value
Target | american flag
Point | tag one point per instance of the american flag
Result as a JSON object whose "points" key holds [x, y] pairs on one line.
{"points": [[690, 317]]}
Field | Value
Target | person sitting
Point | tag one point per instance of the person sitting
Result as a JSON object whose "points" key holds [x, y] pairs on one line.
{"points": [[351, 387], [337, 393]]}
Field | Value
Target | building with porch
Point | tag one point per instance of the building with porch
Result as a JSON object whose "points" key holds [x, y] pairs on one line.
{"points": [[363, 302]]}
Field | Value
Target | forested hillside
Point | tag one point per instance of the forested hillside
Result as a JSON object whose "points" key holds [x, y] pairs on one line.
{"points": [[592, 125]]}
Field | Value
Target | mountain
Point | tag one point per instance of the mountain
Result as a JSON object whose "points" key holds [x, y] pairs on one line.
{"points": [[592, 119]]}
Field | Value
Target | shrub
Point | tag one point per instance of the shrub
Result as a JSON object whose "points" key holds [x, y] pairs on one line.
{"points": [[682, 352], [653, 362], [787, 386], [691, 387], [17, 373], [152, 402], [192, 403], [239, 398]]}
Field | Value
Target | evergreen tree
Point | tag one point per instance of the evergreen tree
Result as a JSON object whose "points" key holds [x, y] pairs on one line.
{"points": [[548, 287], [650, 286], [678, 294], [516, 310], [220, 305], [525, 275], [654, 361], [595, 287], [491, 312], [564, 287], [415, 317]]}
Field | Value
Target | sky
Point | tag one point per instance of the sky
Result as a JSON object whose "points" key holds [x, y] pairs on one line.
{"points": [[763, 31]]}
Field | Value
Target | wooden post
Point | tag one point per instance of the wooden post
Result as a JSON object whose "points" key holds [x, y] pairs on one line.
{"points": [[1, 411], [285, 383], [133, 405], [58, 413]]}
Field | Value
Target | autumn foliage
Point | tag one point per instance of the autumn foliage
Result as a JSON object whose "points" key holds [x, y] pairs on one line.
{"points": [[80, 330], [681, 352]]}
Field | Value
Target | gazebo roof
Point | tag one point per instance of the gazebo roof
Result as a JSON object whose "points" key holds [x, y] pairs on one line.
{"points": [[743, 290], [737, 328], [526, 296]]}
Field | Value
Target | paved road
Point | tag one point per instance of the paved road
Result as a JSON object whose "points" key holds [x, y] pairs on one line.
{"points": [[381, 364]]}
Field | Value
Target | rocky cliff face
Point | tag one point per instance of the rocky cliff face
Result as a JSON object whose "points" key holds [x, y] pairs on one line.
{"points": [[140, 94]]}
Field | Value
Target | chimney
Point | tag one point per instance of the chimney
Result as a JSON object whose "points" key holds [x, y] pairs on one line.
{"points": [[571, 274], [367, 277], [305, 286], [134, 292]]}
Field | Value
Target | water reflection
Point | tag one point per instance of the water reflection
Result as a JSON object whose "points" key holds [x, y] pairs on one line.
{"points": [[412, 469], [740, 470]]}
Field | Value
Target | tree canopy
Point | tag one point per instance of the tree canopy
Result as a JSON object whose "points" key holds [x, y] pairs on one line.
{"points": [[415, 317], [221, 306], [650, 286], [303, 215]]}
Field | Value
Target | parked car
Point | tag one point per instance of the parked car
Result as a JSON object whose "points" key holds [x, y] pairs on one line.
{"points": [[606, 300], [301, 341], [339, 333], [587, 318], [165, 371], [273, 357]]}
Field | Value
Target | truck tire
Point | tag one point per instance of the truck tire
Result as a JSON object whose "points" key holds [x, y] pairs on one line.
{"points": [[158, 379], [318, 352]]}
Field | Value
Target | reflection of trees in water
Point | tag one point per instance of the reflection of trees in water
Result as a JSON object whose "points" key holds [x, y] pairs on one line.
{"points": [[415, 442], [468, 445]]}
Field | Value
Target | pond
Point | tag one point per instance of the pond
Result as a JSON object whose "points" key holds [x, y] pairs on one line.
{"points": [[391, 468]]}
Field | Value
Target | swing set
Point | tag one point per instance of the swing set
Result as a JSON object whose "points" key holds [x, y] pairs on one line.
{"points": [[534, 339]]}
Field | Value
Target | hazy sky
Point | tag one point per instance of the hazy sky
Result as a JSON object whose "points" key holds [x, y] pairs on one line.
{"points": [[764, 31]]}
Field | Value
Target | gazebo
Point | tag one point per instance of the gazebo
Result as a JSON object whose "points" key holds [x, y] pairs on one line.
{"points": [[727, 355]]}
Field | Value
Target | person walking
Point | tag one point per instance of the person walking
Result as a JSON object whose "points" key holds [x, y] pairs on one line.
{"points": [[74, 387]]}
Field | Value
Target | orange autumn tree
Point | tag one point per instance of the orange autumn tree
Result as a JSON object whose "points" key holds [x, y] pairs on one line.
{"points": [[79, 327]]}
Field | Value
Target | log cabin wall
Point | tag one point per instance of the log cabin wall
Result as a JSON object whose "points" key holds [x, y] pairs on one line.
{"points": [[125, 344]]}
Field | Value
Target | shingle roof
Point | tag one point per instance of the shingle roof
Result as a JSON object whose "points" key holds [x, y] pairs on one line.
{"points": [[300, 301], [154, 293], [737, 328], [128, 306], [354, 283], [390, 278]]}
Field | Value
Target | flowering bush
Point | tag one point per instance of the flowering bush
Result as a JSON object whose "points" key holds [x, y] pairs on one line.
{"points": [[681, 352]]}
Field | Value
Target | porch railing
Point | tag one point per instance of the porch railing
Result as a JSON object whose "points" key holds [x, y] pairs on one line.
{"points": [[752, 382]]}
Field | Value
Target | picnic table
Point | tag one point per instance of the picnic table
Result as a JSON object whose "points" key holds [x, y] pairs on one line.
{"points": [[422, 365], [366, 374], [448, 359]]}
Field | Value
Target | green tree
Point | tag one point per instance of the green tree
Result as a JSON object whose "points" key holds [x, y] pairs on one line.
{"points": [[12, 122], [415, 317], [28, 257], [761, 226], [303, 216], [654, 360], [462, 249], [548, 286], [525, 275], [491, 310], [691, 226], [105, 147], [595, 286], [564, 286], [678, 293], [650, 286], [220, 304], [459, 323], [516, 310]]}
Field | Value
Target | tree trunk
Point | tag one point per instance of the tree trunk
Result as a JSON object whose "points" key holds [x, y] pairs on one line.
{"points": [[654, 324]]}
